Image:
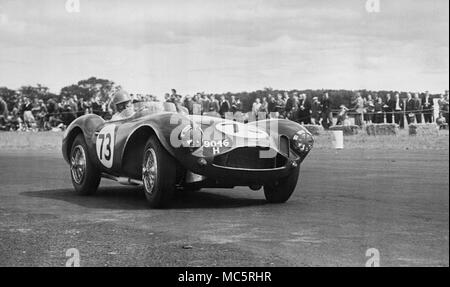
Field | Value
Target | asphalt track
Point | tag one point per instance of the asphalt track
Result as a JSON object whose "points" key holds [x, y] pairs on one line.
{"points": [[346, 202]]}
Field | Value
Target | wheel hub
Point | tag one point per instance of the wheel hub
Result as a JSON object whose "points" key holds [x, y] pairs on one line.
{"points": [[149, 170], [78, 164]]}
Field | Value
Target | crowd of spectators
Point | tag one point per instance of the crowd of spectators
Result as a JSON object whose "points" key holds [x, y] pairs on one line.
{"points": [[36, 114], [318, 111], [26, 114]]}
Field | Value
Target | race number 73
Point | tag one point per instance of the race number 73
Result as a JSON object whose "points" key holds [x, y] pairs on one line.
{"points": [[105, 145]]}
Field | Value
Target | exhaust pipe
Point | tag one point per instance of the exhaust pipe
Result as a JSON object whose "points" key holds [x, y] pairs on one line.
{"points": [[123, 180]]}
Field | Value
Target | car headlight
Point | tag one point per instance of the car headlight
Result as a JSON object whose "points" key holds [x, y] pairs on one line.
{"points": [[191, 136], [302, 141]]}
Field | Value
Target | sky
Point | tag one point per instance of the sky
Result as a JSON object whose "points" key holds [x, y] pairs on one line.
{"points": [[220, 46]]}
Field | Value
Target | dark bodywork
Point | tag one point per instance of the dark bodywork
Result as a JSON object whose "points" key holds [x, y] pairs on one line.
{"points": [[240, 163]]}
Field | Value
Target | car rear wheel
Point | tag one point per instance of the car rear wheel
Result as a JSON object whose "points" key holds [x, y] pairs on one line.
{"points": [[85, 176], [281, 190], [158, 174]]}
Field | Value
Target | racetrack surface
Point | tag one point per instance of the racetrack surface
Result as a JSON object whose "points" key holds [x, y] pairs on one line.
{"points": [[346, 202]]}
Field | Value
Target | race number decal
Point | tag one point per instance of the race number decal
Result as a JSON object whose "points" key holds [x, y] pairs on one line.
{"points": [[105, 145]]}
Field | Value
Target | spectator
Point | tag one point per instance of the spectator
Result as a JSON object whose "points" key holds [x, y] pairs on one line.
{"points": [[96, 106], [255, 108], [234, 105], [315, 111], [188, 104], [444, 106], [327, 115], [264, 109], [359, 110], [27, 113], [3, 108], [427, 105], [369, 107], [378, 110], [205, 103], [280, 105], [224, 106], [196, 105], [389, 108], [174, 96], [304, 110], [213, 104], [3, 112], [167, 98], [418, 108], [410, 107], [398, 111], [292, 107], [342, 115]]}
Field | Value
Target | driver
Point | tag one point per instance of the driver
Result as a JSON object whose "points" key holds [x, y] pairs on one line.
{"points": [[122, 105]]}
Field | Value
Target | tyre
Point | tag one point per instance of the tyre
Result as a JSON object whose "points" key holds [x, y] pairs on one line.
{"points": [[158, 174], [281, 190], [85, 176]]}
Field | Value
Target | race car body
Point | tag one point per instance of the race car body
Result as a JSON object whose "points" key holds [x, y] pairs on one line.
{"points": [[164, 150]]}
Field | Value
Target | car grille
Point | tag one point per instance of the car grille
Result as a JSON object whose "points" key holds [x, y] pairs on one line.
{"points": [[249, 158]]}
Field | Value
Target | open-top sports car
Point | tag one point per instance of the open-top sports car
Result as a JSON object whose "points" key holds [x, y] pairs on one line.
{"points": [[165, 150]]}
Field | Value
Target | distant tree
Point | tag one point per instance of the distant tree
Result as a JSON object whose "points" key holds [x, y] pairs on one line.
{"points": [[9, 96], [38, 91], [91, 87]]}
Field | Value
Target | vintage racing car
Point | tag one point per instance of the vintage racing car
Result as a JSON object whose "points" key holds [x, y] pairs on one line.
{"points": [[165, 150]]}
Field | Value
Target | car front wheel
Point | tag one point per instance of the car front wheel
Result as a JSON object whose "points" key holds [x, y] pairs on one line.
{"points": [[85, 176], [158, 174], [281, 190]]}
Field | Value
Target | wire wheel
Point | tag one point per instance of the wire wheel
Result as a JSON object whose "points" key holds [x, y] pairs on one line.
{"points": [[149, 170], [78, 164]]}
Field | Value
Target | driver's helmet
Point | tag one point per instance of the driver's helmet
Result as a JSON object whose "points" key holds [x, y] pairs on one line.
{"points": [[120, 100]]}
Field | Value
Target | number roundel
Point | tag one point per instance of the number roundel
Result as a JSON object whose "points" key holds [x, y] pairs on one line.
{"points": [[105, 145]]}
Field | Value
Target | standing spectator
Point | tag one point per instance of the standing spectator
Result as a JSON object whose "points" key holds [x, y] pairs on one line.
{"points": [[197, 105], [271, 104], [315, 111], [410, 107], [3, 108], [398, 110], [264, 109], [327, 115], [188, 104], [292, 107], [304, 111], [389, 108], [73, 102], [27, 113], [359, 109], [205, 103], [224, 106], [418, 108], [96, 106], [280, 106], [378, 110], [41, 115], [444, 106], [213, 104], [234, 105], [369, 107], [427, 105], [342, 115], [3, 112], [167, 98], [174, 96], [255, 108]]}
